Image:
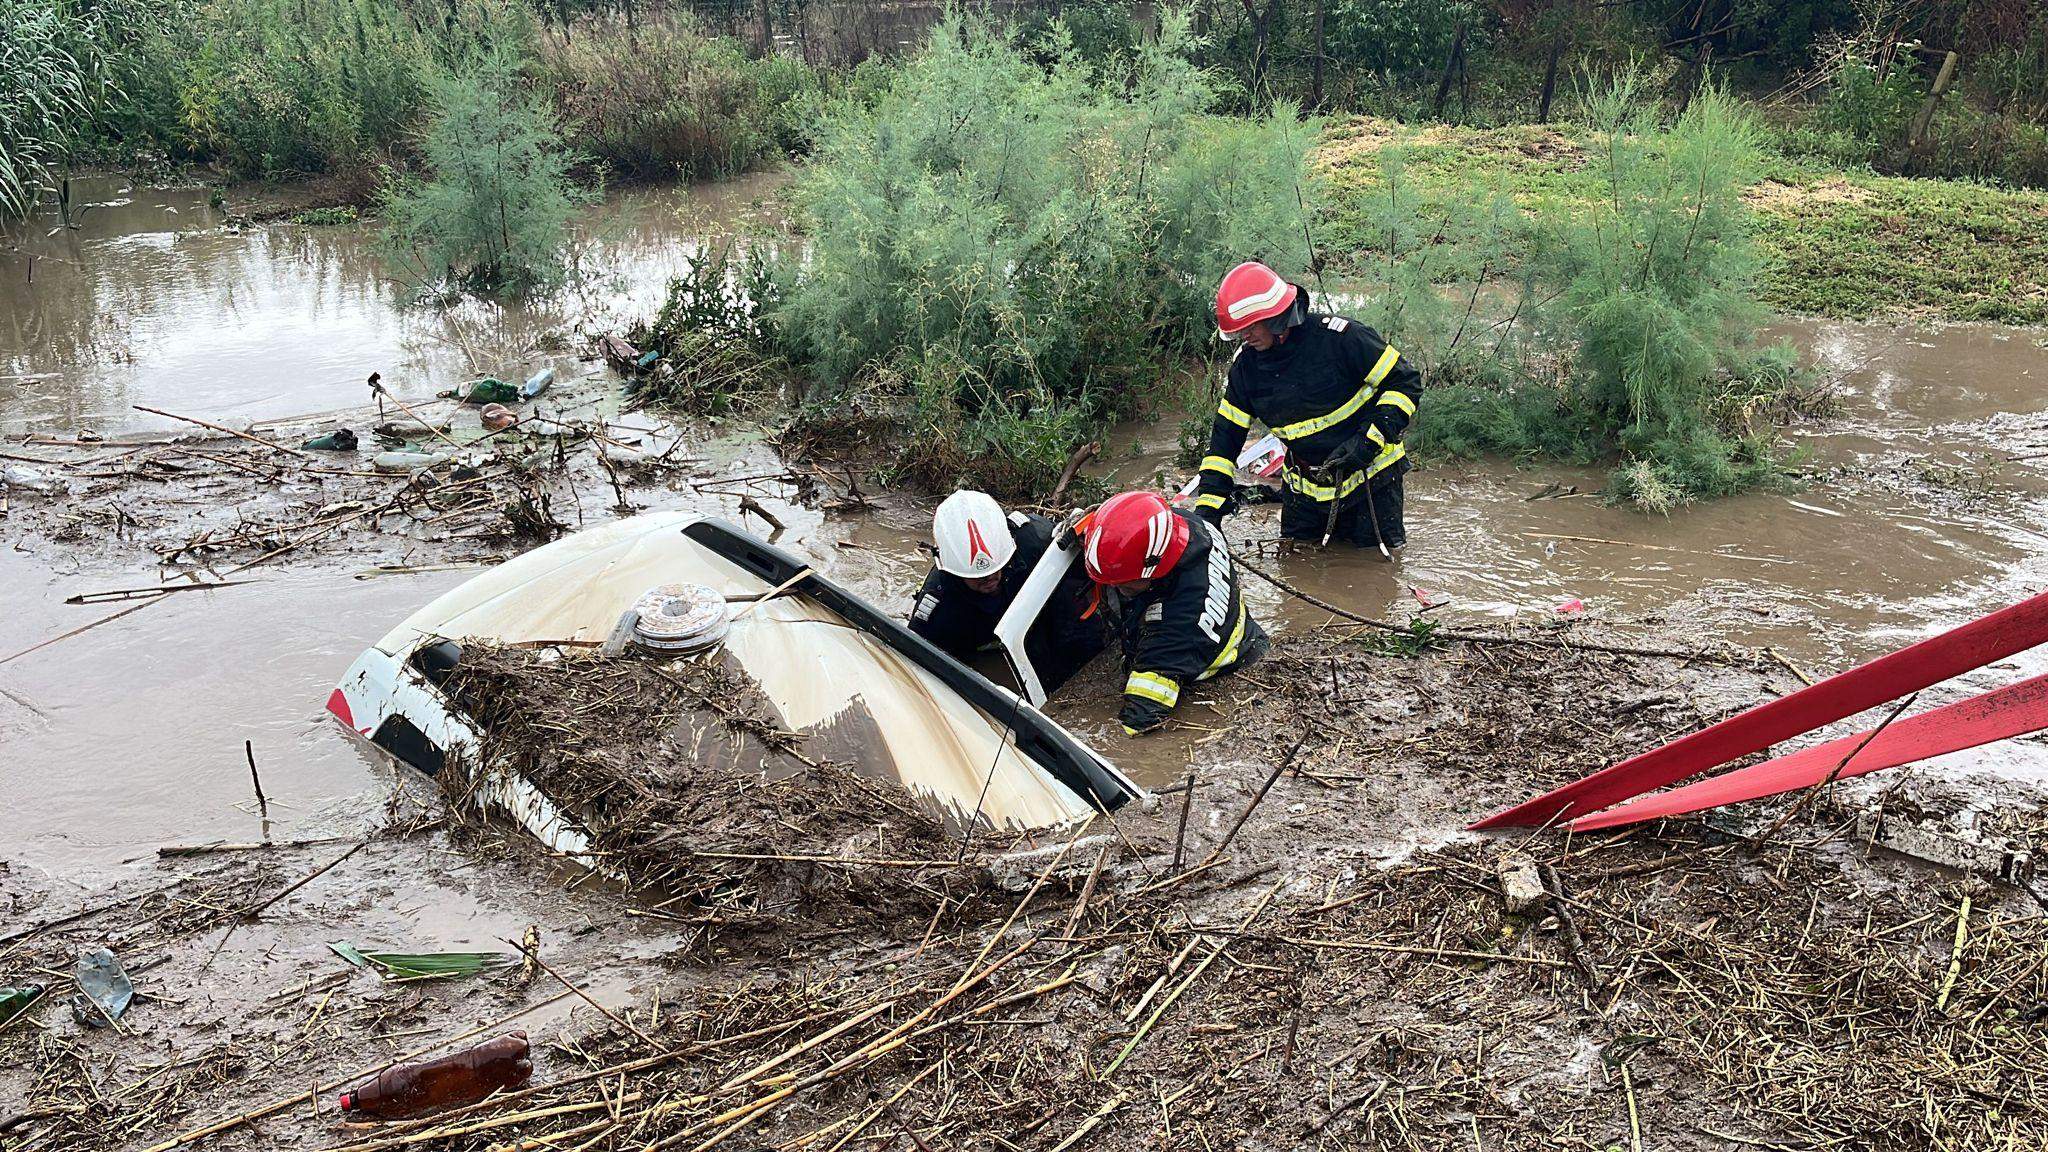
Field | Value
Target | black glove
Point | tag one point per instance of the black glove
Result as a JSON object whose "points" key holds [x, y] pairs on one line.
{"points": [[1141, 716], [1349, 457], [1064, 537]]}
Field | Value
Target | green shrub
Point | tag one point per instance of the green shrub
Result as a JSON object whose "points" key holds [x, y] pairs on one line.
{"points": [[1625, 334], [1018, 247], [493, 210], [659, 97], [282, 88]]}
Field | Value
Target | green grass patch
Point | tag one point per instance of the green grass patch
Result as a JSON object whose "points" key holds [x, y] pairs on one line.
{"points": [[1849, 245], [1865, 246]]}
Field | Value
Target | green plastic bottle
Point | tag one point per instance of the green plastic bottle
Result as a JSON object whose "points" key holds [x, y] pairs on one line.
{"points": [[490, 390]]}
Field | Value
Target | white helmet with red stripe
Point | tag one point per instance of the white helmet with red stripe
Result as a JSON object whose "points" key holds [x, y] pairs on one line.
{"points": [[1251, 292], [972, 534]]}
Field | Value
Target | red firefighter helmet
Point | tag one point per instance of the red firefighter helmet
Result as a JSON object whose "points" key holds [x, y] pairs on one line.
{"points": [[1251, 292], [1133, 536]]}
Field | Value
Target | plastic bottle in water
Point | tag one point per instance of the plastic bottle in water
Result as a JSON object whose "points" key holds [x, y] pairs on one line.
{"points": [[446, 1082]]}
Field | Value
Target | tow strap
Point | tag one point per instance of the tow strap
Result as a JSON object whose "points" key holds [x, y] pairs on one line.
{"points": [[1888, 677], [2014, 710]]}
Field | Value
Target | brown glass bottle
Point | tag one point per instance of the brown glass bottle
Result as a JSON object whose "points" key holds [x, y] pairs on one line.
{"points": [[446, 1082]]}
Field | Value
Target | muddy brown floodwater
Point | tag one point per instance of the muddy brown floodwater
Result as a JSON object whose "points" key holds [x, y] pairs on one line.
{"points": [[127, 737], [160, 298]]}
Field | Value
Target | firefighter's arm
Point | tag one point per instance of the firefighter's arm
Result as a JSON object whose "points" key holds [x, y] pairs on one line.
{"points": [[1398, 382], [1167, 657], [1219, 465], [941, 620]]}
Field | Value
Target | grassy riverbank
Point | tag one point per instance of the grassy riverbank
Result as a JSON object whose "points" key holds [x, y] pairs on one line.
{"points": [[1836, 243]]}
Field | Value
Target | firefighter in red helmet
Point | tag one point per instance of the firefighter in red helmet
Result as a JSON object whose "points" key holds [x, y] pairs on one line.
{"points": [[1182, 616], [1335, 393]]}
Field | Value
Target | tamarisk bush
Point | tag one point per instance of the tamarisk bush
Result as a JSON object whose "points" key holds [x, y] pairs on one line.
{"points": [[1015, 246]]}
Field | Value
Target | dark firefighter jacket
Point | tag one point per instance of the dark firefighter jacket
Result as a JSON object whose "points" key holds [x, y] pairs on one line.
{"points": [[1191, 624], [961, 621], [1331, 380]]}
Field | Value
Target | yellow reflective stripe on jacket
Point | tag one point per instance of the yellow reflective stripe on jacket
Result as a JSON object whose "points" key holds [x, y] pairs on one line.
{"points": [[1219, 464], [1398, 400], [1349, 408], [1234, 414], [1228, 656], [1373, 434], [1153, 686], [1324, 493], [1209, 500]]}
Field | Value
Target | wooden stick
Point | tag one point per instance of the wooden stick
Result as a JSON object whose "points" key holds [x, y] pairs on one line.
{"points": [[262, 804], [275, 447], [1656, 547], [377, 386], [1220, 947], [772, 593], [1491, 638], [1081, 456], [877, 1113], [1115, 1102], [1180, 835], [1087, 892], [255, 910], [170, 851], [533, 954], [1955, 956], [1452, 953], [112, 594], [83, 913], [1245, 815]]}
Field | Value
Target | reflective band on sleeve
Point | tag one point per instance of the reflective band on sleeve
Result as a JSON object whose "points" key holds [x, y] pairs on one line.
{"points": [[1153, 687], [1349, 408], [1228, 656], [1219, 464], [1234, 414], [1324, 493], [1382, 366], [1375, 435], [1398, 400], [1208, 500]]}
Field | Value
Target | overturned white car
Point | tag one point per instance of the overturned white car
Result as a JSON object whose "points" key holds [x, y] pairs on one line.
{"points": [[823, 658]]}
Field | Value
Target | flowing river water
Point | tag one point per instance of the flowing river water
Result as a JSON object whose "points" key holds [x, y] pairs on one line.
{"points": [[130, 736]]}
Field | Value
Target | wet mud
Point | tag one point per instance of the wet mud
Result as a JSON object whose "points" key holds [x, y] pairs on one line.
{"points": [[1343, 972]]}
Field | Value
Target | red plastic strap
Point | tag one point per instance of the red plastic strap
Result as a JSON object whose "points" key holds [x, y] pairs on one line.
{"points": [[1888, 677], [2011, 711]]}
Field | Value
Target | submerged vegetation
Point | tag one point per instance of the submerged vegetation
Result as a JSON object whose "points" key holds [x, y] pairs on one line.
{"points": [[1009, 246], [493, 210], [1603, 329]]}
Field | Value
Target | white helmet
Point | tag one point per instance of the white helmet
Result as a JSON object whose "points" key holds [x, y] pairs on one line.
{"points": [[972, 534]]}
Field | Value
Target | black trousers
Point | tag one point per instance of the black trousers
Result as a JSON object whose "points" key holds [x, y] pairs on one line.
{"points": [[1304, 519]]}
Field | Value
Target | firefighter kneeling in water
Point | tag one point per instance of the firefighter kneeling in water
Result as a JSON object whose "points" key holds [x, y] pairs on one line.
{"points": [[1183, 619], [1334, 392], [983, 559]]}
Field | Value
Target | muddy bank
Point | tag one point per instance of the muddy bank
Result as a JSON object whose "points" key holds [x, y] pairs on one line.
{"points": [[1333, 963]]}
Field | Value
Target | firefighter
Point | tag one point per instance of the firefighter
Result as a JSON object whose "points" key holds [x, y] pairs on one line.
{"points": [[1181, 615], [983, 558], [1335, 393]]}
